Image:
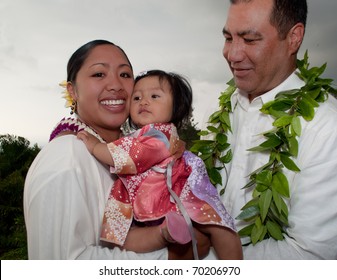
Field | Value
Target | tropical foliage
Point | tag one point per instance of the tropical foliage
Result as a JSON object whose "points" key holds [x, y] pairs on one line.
{"points": [[15, 158]]}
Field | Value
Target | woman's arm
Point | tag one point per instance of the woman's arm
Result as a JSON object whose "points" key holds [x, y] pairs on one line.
{"points": [[144, 239]]}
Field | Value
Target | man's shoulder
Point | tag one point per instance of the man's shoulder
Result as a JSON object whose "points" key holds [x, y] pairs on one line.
{"points": [[328, 109], [325, 118]]}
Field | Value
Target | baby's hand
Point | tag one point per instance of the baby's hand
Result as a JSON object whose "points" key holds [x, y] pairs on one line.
{"points": [[177, 148], [88, 139]]}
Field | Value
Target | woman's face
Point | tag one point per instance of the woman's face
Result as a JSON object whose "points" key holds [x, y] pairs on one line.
{"points": [[103, 88]]}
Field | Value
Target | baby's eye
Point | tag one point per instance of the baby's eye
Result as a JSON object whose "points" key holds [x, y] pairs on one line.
{"points": [[136, 98], [155, 96]]}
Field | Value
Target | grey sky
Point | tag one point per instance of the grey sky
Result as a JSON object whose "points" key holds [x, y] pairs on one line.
{"points": [[38, 36]]}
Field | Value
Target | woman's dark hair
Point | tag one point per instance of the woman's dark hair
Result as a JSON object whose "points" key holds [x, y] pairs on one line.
{"points": [[181, 92], [80, 55]]}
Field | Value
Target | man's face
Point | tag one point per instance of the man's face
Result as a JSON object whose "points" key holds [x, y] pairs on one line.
{"points": [[257, 57]]}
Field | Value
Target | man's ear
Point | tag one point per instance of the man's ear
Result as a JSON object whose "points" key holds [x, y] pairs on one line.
{"points": [[295, 37]]}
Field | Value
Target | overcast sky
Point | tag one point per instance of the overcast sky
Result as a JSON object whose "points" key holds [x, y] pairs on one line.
{"points": [[37, 38]]}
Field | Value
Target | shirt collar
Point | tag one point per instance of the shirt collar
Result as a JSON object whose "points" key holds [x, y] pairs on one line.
{"points": [[240, 97]]}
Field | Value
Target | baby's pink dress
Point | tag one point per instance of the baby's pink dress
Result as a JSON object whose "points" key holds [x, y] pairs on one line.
{"points": [[141, 192]]}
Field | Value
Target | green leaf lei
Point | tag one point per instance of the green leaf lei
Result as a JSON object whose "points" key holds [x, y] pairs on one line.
{"points": [[266, 212]]}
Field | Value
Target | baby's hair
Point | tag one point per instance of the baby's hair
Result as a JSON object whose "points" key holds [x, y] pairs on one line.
{"points": [[181, 92]]}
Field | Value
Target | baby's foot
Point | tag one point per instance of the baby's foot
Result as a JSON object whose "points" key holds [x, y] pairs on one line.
{"points": [[175, 229]]}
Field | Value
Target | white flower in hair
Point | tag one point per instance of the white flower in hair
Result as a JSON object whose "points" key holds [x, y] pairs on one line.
{"points": [[141, 74]]}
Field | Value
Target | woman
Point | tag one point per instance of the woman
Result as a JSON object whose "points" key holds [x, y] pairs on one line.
{"points": [[66, 188]]}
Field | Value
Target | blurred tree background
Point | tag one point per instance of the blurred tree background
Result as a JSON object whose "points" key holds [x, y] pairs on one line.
{"points": [[16, 156]]}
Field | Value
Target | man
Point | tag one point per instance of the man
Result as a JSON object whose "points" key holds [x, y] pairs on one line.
{"points": [[262, 38]]}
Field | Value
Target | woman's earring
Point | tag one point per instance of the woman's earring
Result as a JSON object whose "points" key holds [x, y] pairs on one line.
{"points": [[73, 107]]}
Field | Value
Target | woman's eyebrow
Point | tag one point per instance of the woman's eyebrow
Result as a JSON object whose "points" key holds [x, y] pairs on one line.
{"points": [[106, 64]]}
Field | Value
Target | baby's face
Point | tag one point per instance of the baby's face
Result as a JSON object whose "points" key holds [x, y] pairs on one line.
{"points": [[151, 102]]}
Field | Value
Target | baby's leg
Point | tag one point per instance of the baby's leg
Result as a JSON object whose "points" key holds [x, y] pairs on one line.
{"points": [[226, 242]]}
